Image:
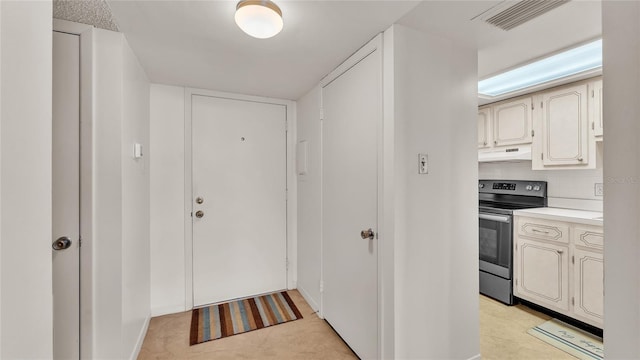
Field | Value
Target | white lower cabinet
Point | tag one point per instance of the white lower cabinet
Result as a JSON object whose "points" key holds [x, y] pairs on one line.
{"points": [[562, 273], [588, 279], [543, 273]]}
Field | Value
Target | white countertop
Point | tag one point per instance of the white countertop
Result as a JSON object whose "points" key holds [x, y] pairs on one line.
{"points": [[569, 215]]}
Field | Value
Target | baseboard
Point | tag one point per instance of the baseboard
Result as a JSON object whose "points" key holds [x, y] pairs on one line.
{"points": [[166, 310], [309, 299], [475, 357], [143, 333]]}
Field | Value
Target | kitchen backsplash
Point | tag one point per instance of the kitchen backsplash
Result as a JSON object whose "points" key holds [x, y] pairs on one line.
{"points": [[566, 188]]}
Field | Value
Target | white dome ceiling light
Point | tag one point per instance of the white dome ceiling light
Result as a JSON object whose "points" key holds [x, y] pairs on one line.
{"points": [[261, 19]]}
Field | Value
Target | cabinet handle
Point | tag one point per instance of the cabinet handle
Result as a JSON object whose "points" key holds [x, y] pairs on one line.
{"points": [[495, 142], [540, 231], [559, 251], [485, 143], [580, 159]]}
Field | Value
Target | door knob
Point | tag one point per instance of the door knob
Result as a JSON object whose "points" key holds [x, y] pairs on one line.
{"points": [[199, 214], [61, 243], [199, 200], [367, 234]]}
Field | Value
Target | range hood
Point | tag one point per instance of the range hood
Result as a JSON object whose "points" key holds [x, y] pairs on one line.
{"points": [[513, 153]]}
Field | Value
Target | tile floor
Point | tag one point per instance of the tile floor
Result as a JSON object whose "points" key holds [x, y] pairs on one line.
{"points": [[502, 336]]}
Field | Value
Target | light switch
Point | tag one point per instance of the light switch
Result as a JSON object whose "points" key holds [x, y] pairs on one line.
{"points": [[422, 164], [137, 151]]}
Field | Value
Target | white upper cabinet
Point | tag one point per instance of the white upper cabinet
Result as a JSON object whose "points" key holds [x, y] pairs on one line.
{"points": [[563, 136], [484, 128], [512, 122], [596, 108], [565, 126], [561, 124]]}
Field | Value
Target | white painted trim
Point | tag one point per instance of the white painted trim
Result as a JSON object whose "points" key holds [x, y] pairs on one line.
{"points": [[292, 191], [373, 45], [387, 204], [70, 27], [188, 205], [166, 310], [308, 299], [141, 336], [376, 44]]}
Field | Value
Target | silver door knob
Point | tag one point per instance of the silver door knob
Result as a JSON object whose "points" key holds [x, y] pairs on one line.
{"points": [[61, 243], [199, 214], [199, 200], [367, 234]]}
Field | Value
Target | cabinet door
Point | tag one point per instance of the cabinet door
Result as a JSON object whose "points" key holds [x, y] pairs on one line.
{"points": [[565, 126], [512, 122], [484, 128], [588, 272], [542, 274], [596, 107]]}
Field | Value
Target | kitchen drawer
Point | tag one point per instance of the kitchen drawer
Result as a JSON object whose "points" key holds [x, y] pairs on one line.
{"points": [[591, 237], [544, 229]]}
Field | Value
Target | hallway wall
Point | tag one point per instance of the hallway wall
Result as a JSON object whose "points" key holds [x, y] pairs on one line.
{"points": [[25, 181], [167, 200], [117, 307]]}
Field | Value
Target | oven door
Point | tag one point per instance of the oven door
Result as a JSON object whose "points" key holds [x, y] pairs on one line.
{"points": [[496, 244]]}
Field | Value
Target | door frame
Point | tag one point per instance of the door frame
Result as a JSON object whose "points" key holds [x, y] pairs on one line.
{"points": [[291, 183], [384, 236], [85, 32]]}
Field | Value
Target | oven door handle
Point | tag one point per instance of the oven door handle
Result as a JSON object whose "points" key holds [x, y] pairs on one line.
{"points": [[498, 218]]}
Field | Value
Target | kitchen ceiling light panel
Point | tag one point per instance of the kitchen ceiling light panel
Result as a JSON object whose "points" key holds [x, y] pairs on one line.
{"points": [[261, 19], [571, 62]]}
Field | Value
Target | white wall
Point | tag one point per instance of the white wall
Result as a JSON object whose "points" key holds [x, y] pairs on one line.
{"points": [[167, 200], [566, 188], [106, 241], [621, 56], [309, 198], [135, 204], [430, 285], [436, 259], [120, 219], [25, 158]]}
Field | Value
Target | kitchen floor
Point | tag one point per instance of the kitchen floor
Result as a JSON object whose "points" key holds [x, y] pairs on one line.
{"points": [[503, 335]]}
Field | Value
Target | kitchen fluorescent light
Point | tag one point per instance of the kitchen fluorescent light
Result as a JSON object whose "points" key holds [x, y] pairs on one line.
{"points": [[571, 62], [261, 19]]}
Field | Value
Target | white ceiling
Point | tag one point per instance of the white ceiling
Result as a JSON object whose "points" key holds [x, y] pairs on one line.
{"points": [[197, 44]]}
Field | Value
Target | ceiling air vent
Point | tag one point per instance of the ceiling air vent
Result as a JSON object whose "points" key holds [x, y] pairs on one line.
{"points": [[508, 15]]}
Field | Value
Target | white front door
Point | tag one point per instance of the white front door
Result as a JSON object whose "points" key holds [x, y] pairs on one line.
{"points": [[352, 116], [239, 198], [66, 196]]}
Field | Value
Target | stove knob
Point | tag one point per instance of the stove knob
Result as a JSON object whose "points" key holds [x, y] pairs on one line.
{"points": [[529, 187], [536, 188], [481, 186]]}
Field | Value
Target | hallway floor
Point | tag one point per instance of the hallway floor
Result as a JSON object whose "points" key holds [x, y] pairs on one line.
{"points": [[307, 338], [503, 335]]}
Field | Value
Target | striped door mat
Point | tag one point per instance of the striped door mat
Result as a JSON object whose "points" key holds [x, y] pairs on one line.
{"points": [[239, 316]]}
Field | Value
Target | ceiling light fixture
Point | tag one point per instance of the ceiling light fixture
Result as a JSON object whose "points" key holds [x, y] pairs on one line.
{"points": [[572, 62], [261, 19]]}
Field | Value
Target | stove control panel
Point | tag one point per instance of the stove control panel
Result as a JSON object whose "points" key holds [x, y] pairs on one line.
{"points": [[513, 187]]}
